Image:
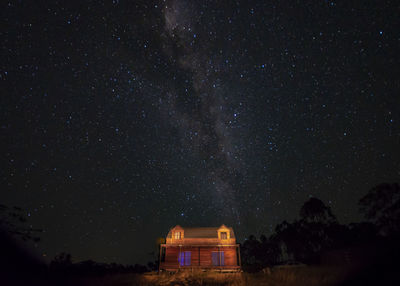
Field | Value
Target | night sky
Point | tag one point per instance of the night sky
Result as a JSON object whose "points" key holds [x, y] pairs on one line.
{"points": [[121, 119]]}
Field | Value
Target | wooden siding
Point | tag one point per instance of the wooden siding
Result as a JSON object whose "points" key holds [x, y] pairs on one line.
{"points": [[171, 256], [230, 255], [205, 254]]}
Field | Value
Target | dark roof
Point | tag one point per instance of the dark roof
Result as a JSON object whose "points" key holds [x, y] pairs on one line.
{"points": [[202, 232]]}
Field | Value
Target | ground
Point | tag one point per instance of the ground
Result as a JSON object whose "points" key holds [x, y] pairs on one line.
{"points": [[318, 276], [277, 276]]}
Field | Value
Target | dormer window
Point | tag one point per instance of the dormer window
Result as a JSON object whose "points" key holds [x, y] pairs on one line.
{"points": [[224, 235], [177, 235]]}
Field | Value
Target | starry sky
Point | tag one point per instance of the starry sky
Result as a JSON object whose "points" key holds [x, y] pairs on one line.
{"points": [[121, 119]]}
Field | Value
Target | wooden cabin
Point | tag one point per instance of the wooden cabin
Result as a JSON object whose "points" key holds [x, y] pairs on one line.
{"points": [[200, 248]]}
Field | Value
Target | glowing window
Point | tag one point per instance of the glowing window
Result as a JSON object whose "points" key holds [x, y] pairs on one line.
{"points": [[224, 235], [177, 235], [185, 258]]}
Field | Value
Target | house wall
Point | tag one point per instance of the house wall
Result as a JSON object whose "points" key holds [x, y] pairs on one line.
{"points": [[205, 254], [171, 257], [229, 255]]}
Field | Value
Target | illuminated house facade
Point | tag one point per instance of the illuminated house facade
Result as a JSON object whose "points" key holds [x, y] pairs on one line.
{"points": [[201, 248]]}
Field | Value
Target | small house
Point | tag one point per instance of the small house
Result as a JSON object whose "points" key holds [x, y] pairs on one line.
{"points": [[200, 248]]}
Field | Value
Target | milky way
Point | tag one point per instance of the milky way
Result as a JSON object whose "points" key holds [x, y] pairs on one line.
{"points": [[206, 120]]}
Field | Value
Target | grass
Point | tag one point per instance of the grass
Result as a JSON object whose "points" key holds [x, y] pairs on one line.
{"points": [[307, 276]]}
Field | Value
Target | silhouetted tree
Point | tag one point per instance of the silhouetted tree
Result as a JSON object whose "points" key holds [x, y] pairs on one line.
{"points": [[61, 263], [258, 254], [268, 252], [314, 210], [287, 236], [152, 266], [361, 232], [250, 258], [15, 259], [138, 268], [305, 239], [12, 221], [381, 206]]}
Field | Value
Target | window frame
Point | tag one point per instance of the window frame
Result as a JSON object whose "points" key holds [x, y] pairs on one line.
{"points": [[185, 258], [177, 235], [224, 233]]}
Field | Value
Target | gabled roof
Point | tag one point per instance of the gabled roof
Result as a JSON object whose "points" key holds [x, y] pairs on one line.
{"points": [[202, 232]]}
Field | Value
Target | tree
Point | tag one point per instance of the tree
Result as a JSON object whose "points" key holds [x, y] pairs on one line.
{"points": [[250, 257], [268, 252], [304, 240], [381, 206], [287, 236], [61, 262], [314, 210], [12, 221]]}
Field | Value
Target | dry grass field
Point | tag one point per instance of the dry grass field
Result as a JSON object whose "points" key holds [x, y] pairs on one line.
{"points": [[307, 276]]}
